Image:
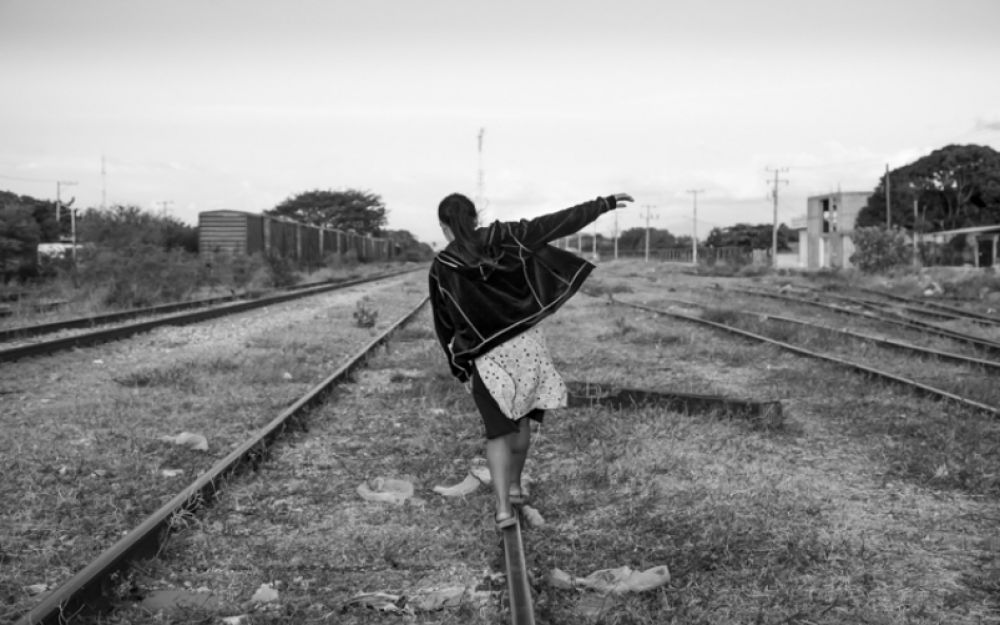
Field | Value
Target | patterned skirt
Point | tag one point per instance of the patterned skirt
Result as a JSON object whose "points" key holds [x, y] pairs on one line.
{"points": [[520, 376]]}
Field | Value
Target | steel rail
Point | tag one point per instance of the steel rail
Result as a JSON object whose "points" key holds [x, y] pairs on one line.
{"points": [[7, 334], [518, 588], [84, 590], [957, 312], [926, 388], [884, 307], [97, 337], [881, 308], [895, 319], [981, 362]]}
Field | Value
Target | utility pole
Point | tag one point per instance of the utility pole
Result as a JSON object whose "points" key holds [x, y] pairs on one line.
{"points": [[915, 256], [694, 226], [774, 230], [888, 207], [163, 206], [649, 216], [59, 185]]}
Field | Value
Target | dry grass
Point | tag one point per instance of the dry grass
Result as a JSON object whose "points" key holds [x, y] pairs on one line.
{"points": [[832, 520], [816, 523]]}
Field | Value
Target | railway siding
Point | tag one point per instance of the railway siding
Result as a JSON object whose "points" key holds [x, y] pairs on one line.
{"points": [[86, 427]]}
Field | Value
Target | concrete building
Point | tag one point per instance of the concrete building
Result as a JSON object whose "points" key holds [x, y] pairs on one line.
{"points": [[825, 233]]}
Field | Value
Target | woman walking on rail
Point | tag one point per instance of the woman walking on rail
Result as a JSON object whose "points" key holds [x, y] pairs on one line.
{"points": [[489, 288]]}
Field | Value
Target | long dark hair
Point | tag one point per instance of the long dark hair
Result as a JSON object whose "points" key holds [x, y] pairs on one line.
{"points": [[459, 213]]}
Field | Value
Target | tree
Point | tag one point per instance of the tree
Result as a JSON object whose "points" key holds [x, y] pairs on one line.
{"points": [[955, 187], [634, 239], [349, 210], [121, 227], [757, 237], [19, 237], [43, 211]]}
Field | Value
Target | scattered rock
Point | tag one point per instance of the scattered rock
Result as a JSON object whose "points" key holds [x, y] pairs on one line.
{"points": [[171, 472], [423, 600], [532, 516], [36, 589], [381, 601], [560, 579]]}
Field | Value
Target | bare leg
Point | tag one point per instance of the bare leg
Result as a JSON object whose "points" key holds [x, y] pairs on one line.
{"points": [[520, 442], [500, 461]]}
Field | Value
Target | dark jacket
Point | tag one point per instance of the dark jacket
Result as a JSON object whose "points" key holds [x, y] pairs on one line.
{"points": [[479, 305]]}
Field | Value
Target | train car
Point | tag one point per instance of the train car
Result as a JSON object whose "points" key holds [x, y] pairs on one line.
{"points": [[237, 232]]}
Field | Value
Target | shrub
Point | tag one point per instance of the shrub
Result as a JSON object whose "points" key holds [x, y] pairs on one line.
{"points": [[877, 249], [140, 275]]}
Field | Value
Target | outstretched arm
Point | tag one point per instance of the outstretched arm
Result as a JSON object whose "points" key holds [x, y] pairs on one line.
{"points": [[537, 232]]}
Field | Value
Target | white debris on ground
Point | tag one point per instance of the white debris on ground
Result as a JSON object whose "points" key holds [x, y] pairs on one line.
{"points": [[422, 600], [386, 490], [615, 581], [466, 487], [266, 593], [187, 439]]}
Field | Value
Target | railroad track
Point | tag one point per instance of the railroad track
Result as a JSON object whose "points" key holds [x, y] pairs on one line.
{"points": [[866, 369], [849, 308], [881, 340], [83, 592], [205, 310], [927, 303]]}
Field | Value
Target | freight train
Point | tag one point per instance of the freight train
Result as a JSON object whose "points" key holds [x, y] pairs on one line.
{"points": [[237, 232]]}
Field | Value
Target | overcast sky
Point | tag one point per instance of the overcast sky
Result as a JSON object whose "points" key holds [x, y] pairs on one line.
{"points": [[212, 104]]}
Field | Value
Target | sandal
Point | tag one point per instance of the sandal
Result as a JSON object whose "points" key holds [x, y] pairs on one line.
{"points": [[505, 522]]}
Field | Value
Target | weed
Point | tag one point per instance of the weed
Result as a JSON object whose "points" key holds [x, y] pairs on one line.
{"points": [[364, 316]]}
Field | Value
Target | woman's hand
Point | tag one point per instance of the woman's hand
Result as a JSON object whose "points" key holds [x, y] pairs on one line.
{"points": [[621, 199]]}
